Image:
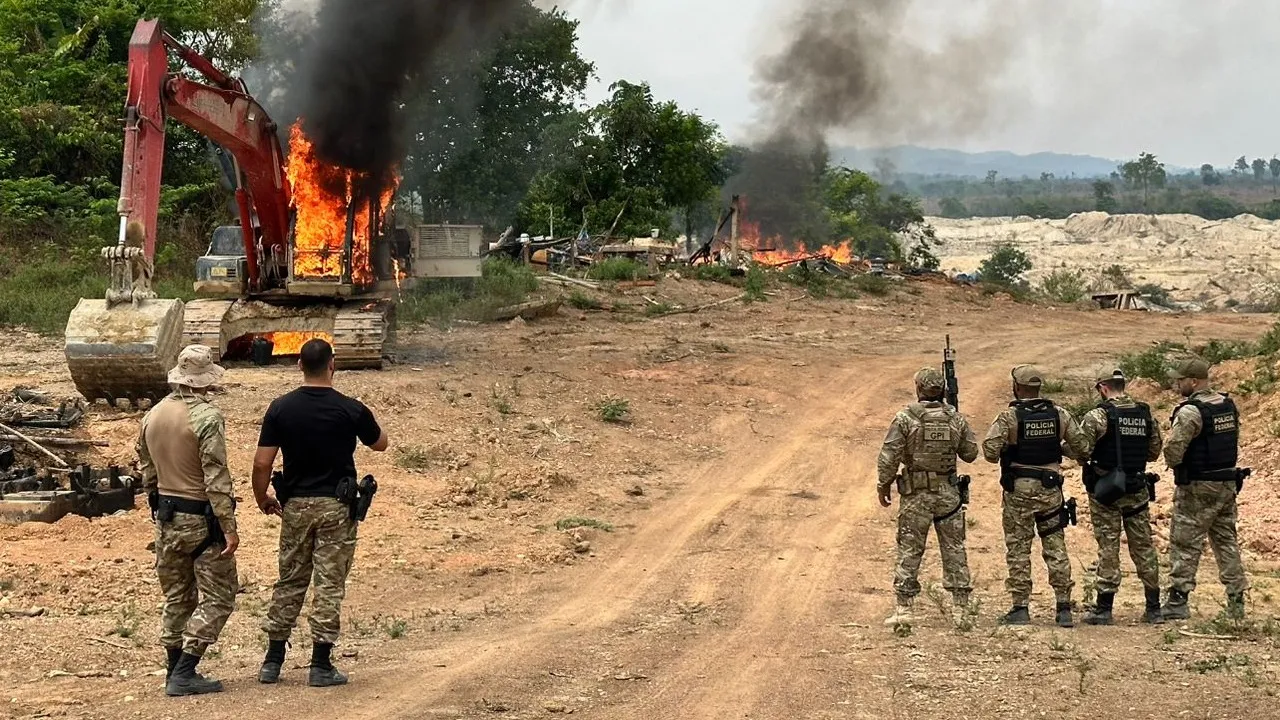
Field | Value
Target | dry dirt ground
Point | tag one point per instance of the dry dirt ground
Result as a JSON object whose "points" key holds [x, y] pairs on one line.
{"points": [[747, 565]]}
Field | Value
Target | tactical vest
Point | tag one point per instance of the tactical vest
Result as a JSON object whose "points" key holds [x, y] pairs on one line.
{"points": [[1216, 447], [1039, 433], [1131, 427], [933, 449]]}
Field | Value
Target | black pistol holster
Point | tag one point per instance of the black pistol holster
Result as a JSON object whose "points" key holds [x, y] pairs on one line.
{"points": [[278, 484], [962, 484], [367, 489], [153, 501]]}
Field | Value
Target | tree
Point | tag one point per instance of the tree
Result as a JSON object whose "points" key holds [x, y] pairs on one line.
{"points": [[482, 126], [1104, 195], [1065, 286], [632, 157], [1146, 172], [1259, 169], [952, 208], [1209, 176], [991, 177], [1275, 173], [1242, 165], [1006, 266]]}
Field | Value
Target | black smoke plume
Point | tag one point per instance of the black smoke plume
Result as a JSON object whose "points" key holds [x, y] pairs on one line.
{"points": [[362, 63]]}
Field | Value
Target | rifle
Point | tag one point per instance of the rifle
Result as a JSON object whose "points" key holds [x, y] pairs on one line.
{"points": [[952, 389]]}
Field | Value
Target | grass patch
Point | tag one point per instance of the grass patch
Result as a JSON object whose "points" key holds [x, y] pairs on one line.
{"points": [[570, 523], [127, 622], [712, 272], [877, 285], [753, 287], [394, 627], [613, 409], [502, 283], [1053, 387], [658, 310], [582, 301], [1220, 662], [617, 269], [413, 457], [1153, 363], [39, 294]]}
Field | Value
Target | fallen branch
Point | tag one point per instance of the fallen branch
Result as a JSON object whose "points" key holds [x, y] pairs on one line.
{"points": [[112, 643], [574, 281], [61, 442], [33, 443], [23, 612], [1203, 636]]}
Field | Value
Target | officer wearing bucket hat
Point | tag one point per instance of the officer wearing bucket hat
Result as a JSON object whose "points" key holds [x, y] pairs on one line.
{"points": [[182, 453], [1123, 435], [924, 440], [1203, 449], [1028, 439]]}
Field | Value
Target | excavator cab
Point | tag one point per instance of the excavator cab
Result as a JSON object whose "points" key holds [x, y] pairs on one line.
{"points": [[223, 269]]}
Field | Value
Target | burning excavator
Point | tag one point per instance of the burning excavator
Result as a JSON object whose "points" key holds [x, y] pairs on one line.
{"points": [[307, 259]]}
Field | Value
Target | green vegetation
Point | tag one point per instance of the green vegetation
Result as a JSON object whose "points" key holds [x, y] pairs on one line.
{"points": [[1065, 286], [713, 272], [582, 301], [618, 270], [1005, 267], [571, 523], [503, 283], [753, 288], [613, 409]]}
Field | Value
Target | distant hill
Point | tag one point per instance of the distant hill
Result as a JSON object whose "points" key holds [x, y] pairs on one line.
{"points": [[912, 160]]}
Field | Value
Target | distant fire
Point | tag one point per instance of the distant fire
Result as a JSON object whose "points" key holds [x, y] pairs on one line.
{"points": [[290, 343], [773, 252], [321, 195]]}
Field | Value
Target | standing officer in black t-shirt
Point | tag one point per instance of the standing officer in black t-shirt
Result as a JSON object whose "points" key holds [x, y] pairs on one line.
{"points": [[316, 427]]}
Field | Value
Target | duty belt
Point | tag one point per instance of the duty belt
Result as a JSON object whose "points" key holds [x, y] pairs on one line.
{"points": [[185, 506]]}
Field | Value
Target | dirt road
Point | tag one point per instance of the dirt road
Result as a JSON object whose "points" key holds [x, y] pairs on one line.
{"points": [[752, 579]]}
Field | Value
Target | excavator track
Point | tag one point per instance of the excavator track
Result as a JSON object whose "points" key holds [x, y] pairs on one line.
{"points": [[205, 324], [123, 352], [361, 334]]}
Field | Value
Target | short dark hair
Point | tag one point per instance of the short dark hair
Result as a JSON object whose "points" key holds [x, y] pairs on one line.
{"points": [[315, 356], [930, 393], [1116, 384]]}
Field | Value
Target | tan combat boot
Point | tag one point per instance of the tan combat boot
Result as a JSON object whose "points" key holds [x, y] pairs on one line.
{"points": [[901, 614]]}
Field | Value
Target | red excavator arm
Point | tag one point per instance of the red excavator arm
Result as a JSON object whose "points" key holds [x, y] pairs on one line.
{"points": [[220, 109]]}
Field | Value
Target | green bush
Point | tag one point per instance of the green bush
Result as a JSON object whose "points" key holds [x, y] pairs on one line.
{"points": [[1065, 286], [753, 288], [617, 269], [583, 301], [871, 284], [503, 282], [1153, 364], [1006, 266], [712, 272], [1156, 294]]}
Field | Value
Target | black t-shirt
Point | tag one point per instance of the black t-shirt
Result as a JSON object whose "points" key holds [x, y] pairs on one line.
{"points": [[316, 429]]}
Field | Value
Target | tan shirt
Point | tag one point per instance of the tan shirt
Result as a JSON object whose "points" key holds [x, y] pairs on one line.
{"points": [[182, 450], [1094, 426], [1187, 425], [1004, 433]]}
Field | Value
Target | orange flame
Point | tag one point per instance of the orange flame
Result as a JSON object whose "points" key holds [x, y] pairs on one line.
{"points": [[290, 343], [774, 252], [321, 215]]}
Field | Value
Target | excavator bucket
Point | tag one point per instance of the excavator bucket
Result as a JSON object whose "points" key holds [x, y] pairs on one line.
{"points": [[123, 351]]}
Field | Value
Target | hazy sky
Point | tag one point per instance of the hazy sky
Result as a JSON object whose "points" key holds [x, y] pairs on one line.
{"points": [[1193, 81]]}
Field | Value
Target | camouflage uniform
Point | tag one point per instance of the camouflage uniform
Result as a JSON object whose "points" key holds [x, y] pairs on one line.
{"points": [[1108, 521], [199, 593], [1201, 509], [1029, 500], [924, 439], [317, 538]]}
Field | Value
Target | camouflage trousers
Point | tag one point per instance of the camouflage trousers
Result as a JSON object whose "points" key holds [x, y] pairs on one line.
{"points": [[918, 512], [1108, 523], [317, 546], [200, 593], [1021, 507], [1203, 509]]}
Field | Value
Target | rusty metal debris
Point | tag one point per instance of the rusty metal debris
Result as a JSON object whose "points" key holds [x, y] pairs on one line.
{"points": [[28, 494]]}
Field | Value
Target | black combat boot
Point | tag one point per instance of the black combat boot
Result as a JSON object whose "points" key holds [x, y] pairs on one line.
{"points": [[186, 681], [1153, 616], [1175, 608], [1101, 612], [1064, 618], [1235, 606], [271, 664], [323, 673], [173, 654], [1019, 615]]}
